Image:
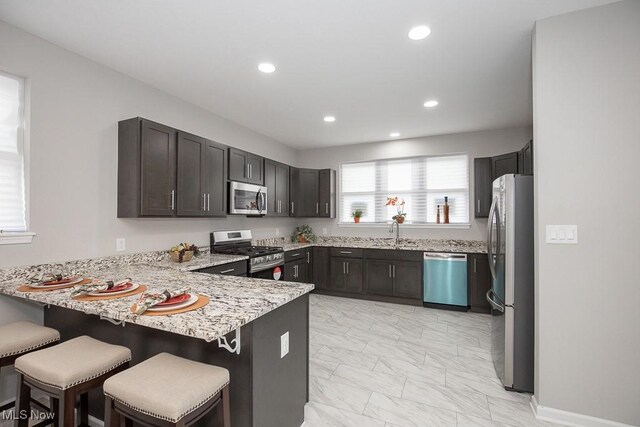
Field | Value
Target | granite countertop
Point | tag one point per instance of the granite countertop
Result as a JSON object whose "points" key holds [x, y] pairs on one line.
{"points": [[202, 261], [235, 301], [423, 245]]}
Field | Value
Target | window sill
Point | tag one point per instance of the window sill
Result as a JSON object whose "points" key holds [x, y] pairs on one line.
{"points": [[10, 238], [387, 225]]}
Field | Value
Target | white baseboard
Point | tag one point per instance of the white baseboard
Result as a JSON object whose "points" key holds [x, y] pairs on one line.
{"points": [[567, 418]]}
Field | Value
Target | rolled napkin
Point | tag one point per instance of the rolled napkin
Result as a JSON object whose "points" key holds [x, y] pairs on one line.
{"points": [[46, 277], [148, 300], [97, 287]]}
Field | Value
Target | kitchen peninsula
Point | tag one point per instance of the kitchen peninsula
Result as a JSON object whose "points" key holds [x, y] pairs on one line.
{"points": [[239, 329]]}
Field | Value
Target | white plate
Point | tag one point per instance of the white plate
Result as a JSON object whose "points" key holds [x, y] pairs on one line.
{"points": [[106, 294], [62, 285], [193, 298]]}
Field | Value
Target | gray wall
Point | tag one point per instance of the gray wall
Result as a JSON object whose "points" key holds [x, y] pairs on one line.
{"points": [[75, 108], [475, 144], [586, 129]]}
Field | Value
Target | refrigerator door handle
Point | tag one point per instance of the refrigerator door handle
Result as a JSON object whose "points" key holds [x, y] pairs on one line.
{"points": [[490, 254], [494, 304]]}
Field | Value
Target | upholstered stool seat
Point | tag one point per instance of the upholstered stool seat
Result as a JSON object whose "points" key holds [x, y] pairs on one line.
{"points": [[169, 389], [19, 338], [22, 337], [68, 370]]}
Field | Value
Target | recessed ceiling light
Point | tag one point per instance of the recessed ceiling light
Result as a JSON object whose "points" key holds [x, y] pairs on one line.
{"points": [[329, 119], [394, 134], [266, 67], [420, 32], [431, 103]]}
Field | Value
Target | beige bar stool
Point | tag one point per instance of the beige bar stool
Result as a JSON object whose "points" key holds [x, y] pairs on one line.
{"points": [[66, 371], [167, 390], [19, 338]]}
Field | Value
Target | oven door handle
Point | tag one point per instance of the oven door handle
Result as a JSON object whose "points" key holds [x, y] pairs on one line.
{"points": [[268, 266]]}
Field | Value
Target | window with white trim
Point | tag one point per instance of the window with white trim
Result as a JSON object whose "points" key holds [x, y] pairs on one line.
{"points": [[422, 182], [13, 215]]}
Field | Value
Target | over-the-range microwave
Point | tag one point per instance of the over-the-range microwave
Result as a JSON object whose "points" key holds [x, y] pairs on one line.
{"points": [[247, 199]]}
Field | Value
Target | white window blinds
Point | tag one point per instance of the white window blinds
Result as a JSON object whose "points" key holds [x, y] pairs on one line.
{"points": [[423, 183], [12, 186]]}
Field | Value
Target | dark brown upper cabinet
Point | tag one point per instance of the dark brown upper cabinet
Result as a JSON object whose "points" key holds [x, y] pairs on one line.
{"points": [[327, 193], [215, 181], [276, 179], [312, 193], [525, 159], [146, 169], [482, 186], [504, 164], [201, 177], [192, 195], [245, 167]]}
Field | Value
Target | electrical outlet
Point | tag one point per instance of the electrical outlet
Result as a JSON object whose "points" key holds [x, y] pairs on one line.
{"points": [[284, 344], [277, 231], [120, 244], [324, 231]]}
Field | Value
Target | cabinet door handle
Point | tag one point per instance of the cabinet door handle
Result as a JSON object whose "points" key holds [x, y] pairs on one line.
{"points": [[308, 257], [246, 172], [347, 267], [173, 199], [250, 170], [478, 205], [345, 252], [326, 208], [394, 271], [293, 211], [317, 208], [298, 254], [208, 202], [227, 271], [475, 265], [390, 271], [204, 201], [344, 268]]}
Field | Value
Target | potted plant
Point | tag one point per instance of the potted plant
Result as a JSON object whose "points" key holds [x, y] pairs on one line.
{"points": [[357, 214], [399, 204], [303, 234], [183, 252]]}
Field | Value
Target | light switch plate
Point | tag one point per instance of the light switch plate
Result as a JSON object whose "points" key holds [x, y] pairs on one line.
{"points": [[284, 344], [562, 234], [120, 244], [324, 231]]}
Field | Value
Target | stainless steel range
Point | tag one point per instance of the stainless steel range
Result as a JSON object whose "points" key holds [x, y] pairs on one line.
{"points": [[265, 262]]}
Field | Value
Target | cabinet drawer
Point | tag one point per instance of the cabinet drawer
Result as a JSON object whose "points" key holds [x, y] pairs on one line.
{"points": [[347, 252], [393, 255], [295, 254], [238, 268]]}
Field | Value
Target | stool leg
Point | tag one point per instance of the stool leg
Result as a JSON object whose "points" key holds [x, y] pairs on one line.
{"points": [[53, 405], [111, 417], [226, 412], [84, 409], [23, 397], [66, 408]]}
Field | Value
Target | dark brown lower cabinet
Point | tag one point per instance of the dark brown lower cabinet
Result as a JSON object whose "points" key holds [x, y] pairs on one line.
{"points": [[296, 271], [393, 278], [321, 267], [347, 275], [479, 282], [407, 279]]}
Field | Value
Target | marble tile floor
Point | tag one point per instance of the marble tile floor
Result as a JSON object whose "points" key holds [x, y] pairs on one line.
{"points": [[388, 365]]}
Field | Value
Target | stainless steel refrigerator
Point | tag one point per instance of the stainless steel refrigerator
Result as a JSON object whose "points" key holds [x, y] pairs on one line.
{"points": [[510, 250]]}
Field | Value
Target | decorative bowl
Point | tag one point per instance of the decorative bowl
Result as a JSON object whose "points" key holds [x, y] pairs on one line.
{"points": [[175, 256]]}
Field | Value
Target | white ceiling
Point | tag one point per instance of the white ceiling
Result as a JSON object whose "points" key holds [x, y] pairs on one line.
{"points": [[351, 59]]}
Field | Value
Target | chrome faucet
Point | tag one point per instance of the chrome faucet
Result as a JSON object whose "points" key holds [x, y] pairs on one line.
{"points": [[397, 231]]}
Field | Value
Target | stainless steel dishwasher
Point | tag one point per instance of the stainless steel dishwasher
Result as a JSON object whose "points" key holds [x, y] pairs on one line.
{"points": [[445, 280]]}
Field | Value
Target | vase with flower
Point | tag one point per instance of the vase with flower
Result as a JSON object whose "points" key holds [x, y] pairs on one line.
{"points": [[399, 205]]}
